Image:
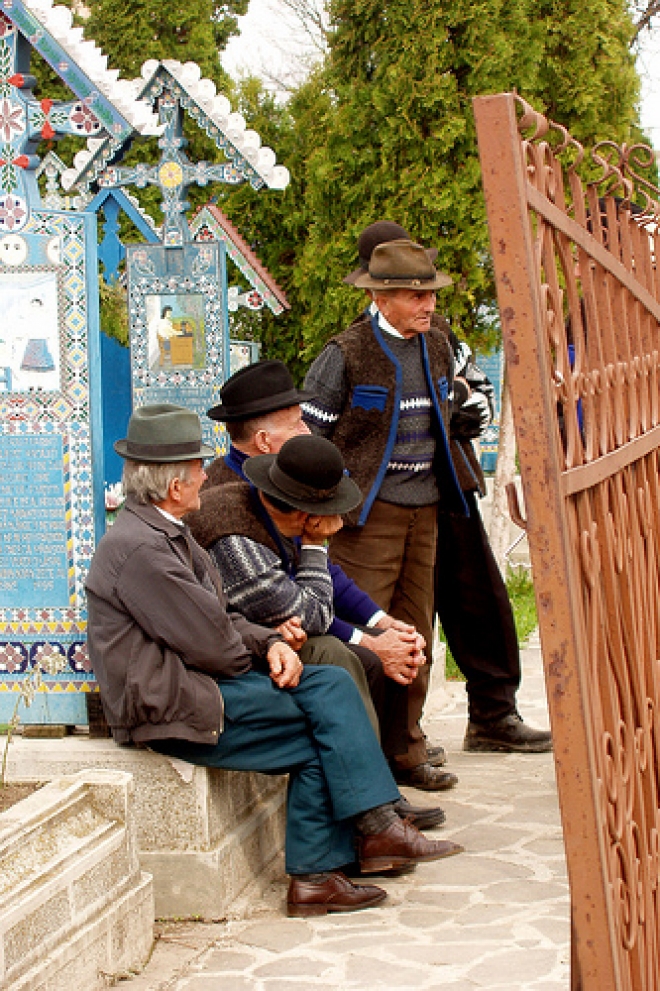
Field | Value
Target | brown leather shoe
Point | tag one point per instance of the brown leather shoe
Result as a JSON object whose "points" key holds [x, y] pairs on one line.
{"points": [[333, 892], [426, 778], [401, 844]]}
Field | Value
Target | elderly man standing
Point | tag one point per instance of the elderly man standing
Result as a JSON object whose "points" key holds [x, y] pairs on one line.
{"points": [[177, 671], [471, 596], [383, 389]]}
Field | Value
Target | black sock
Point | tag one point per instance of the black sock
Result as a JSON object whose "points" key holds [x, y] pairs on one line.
{"points": [[376, 820]]}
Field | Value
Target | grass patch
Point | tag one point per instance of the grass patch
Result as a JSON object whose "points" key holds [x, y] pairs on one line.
{"points": [[521, 594]]}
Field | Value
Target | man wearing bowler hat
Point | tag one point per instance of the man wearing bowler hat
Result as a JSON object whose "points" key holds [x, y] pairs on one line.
{"points": [[177, 671], [267, 577], [260, 407], [268, 540]]}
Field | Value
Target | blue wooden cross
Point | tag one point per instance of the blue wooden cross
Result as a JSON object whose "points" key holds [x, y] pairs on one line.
{"points": [[173, 174]]}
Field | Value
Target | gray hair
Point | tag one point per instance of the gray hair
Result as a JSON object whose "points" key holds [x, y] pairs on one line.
{"points": [[150, 482]]}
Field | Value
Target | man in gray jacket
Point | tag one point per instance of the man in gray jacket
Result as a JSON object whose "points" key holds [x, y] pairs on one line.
{"points": [[177, 671]]}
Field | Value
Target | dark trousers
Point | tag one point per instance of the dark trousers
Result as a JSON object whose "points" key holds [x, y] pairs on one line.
{"points": [[390, 701], [319, 735], [391, 558], [329, 650], [473, 606]]}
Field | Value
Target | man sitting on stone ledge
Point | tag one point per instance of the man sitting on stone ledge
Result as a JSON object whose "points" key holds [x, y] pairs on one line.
{"points": [[178, 672], [268, 541]]}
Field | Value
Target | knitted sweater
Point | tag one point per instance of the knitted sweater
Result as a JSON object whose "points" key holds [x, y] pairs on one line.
{"points": [[254, 576], [358, 383]]}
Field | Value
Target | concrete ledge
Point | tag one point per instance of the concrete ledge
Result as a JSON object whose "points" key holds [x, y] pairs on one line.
{"points": [[74, 905], [203, 834]]}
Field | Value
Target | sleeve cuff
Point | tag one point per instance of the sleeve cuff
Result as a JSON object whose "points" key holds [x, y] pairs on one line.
{"points": [[314, 547], [377, 616], [356, 637]]}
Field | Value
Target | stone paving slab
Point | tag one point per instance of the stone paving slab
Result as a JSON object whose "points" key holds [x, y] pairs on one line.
{"points": [[495, 917]]}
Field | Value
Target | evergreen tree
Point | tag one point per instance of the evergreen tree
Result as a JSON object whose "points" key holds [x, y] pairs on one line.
{"points": [[399, 139], [194, 30]]}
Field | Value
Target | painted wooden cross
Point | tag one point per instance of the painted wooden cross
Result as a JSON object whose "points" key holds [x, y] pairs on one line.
{"points": [[24, 122], [173, 174]]}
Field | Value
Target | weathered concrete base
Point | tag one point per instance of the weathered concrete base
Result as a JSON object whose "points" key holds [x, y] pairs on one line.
{"points": [[203, 834], [74, 905]]}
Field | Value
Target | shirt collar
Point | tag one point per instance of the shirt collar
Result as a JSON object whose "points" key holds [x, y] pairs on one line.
{"points": [[168, 516], [383, 323]]}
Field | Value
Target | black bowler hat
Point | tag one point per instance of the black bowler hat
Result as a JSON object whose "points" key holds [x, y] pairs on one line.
{"points": [[256, 389], [163, 434], [375, 234], [308, 474]]}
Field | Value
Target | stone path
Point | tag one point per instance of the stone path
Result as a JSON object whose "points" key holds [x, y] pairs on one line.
{"points": [[495, 917]]}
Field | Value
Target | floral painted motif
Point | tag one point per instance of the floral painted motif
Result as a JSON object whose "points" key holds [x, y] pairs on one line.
{"points": [[84, 120], [12, 120], [13, 212]]}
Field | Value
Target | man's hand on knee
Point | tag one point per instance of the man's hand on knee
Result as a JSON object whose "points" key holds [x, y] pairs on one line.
{"points": [[285, 665]]}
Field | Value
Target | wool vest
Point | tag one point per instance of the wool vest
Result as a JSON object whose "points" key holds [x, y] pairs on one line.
{"points": [[229, 509], [366, 430]]}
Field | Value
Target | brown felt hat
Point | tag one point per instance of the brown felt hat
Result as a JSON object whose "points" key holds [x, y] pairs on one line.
{"points": [[307, 474], [263, 387], [163, 434], [375, 234], [402, 265]]}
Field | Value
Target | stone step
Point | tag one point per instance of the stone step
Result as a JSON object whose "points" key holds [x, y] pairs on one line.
{"points": [[70, 877], [203, 834]]}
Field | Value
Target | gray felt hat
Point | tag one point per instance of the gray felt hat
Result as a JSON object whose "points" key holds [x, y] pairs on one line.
{"points": [[163, 434]]}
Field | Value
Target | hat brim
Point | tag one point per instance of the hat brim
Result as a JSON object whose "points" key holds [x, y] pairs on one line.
{"points": [[351, 278], [440, 281], [259, 407], [347, 497], [121, 447]]}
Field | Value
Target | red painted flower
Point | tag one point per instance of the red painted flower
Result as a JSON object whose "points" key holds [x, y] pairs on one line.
{"points": [[83, 119]]}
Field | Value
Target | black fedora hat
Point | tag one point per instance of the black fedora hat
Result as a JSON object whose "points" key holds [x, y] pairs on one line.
{"points": [[375, 234], [256, 389], [163, 434], [308, 474]]}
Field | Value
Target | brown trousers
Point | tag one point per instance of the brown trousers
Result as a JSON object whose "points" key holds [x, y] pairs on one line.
{"points": [[392, 558]]}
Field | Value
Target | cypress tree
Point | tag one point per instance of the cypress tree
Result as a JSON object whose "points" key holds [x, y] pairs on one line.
{"points": [[399, 139]]}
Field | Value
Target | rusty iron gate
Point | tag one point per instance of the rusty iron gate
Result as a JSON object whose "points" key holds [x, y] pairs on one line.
{"points": [[578, 280]]}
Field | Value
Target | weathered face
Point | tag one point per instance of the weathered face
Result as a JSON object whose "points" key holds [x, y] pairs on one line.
{"points": [[408, 310], [189, 489], [282, 426]]}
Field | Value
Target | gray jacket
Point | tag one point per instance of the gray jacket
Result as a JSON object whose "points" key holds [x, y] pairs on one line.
{"points": [[159, 633]]}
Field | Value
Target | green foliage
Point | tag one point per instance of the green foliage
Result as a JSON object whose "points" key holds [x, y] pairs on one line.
{"points": [[193, 30], [114, 311], [521, 593], [384, 129]]}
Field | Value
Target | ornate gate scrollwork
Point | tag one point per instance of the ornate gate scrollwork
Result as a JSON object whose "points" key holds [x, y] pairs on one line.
{"points": [[575, 241]]}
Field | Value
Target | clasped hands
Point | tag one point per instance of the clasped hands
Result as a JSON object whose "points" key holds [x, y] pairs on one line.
{"points": [[400, 649]]}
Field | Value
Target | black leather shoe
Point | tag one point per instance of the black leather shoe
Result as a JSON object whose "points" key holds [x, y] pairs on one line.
{"points": [[331, 892], [426, 778], [401, 844], [507, 735], [422, 817]]}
